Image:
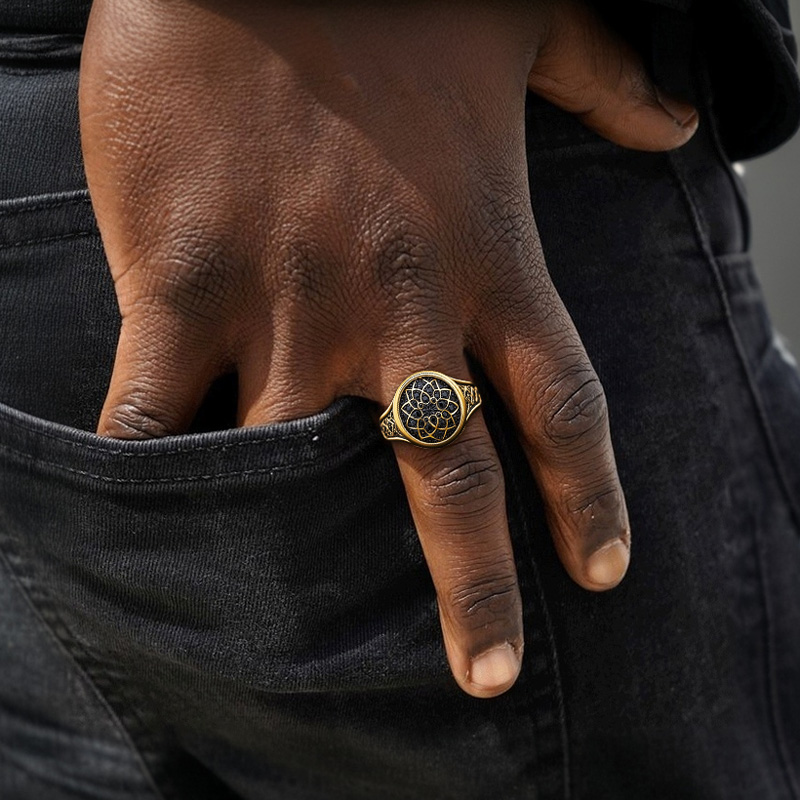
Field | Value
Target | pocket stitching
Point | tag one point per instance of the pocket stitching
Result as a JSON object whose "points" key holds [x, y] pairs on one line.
{"points": [[277, 469], [109, 449]]}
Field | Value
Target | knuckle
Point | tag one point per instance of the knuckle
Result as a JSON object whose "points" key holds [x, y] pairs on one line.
{"points": [[601, 505], [486, 601], [136, 418], [200, 275], [577, 411], [472, 483], [598, 515]]}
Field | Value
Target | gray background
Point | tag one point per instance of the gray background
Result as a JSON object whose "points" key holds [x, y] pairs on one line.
{"points": [[773, 188]]}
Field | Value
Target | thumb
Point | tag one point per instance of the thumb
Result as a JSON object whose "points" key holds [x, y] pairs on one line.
{"points": [[159, 380], [588, 70]]}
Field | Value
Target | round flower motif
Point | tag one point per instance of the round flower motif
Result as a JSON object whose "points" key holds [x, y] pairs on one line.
{"points": [[430, 410]]}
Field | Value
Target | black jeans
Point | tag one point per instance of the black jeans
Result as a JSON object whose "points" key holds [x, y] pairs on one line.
{"points": [[247, 613]]}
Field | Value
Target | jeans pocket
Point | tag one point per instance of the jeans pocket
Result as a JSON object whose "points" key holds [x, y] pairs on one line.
{"points": [[281, 556], [264, 590]]}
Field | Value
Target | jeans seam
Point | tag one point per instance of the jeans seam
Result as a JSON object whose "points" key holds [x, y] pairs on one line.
{"points": [[112, 715], [700, 227], [552, 653], [701, 233], [514, 491]]}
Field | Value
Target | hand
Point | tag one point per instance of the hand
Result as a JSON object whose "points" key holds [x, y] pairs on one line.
{"points": [[327, 199]]}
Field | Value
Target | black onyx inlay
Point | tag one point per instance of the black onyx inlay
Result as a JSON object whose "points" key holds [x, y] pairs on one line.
{"points": [[429, 410]]}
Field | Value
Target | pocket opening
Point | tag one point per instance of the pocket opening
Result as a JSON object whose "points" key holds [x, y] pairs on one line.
{"points": [[33, 51], [302, 446]]}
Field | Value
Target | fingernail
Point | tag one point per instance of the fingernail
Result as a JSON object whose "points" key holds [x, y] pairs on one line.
{"points": [[607, 566], [495, 668], [684, 114]]}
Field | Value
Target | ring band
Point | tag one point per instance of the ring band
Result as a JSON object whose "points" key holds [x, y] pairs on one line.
{"points": [[429, 409]]}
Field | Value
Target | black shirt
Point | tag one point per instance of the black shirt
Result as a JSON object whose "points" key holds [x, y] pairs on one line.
{"points": [[750, 52]]}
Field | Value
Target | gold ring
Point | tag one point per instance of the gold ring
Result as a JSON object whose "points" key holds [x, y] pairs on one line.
{"points": [[429, 409]]}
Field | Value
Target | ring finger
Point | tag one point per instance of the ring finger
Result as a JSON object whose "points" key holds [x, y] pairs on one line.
{"points": [[457, 499]]}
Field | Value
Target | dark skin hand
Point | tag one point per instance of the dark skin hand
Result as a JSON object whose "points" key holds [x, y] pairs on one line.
{"points": [[326, 198]]}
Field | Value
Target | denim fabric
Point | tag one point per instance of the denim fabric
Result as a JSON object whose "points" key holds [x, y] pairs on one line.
{"points": [[247, 613]]}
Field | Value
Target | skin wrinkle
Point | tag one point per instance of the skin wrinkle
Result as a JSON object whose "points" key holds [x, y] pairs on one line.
{"points": [[597, 500], [494, 606], [478, 611], [581, 413], [491, 600], [465, 482]]}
